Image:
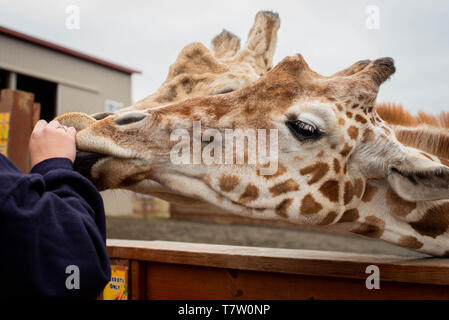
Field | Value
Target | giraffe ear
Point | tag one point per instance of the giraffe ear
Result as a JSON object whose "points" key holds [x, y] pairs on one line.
{"points": [[419, 179]]}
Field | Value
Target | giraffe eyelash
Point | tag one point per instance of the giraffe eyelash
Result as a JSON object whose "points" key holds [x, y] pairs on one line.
{"points": [[306, 126], [303, 131]]}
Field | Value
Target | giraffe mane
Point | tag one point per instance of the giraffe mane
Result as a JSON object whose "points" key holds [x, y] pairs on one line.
{"points": [[395, 114], [424, 131]]}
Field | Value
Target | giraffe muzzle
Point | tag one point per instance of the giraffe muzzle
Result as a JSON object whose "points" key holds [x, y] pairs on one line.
{"points": [[84, 162]]}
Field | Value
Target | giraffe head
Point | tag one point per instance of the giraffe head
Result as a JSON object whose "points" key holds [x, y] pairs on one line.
{"points": [[331, 149], [330, 142], [334, 154]]}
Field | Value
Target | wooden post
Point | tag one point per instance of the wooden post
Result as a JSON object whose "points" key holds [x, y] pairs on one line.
{"points": [[22, 112]]}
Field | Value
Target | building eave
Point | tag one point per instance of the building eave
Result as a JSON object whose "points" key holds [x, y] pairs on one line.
{"points": [[65, 50]]}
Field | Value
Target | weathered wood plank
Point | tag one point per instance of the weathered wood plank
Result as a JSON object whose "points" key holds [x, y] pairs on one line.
{"points": [[174, 282], [286, 261], [138, 278]]}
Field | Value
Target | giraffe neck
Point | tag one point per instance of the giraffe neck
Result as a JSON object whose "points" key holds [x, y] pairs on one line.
{"points": [[384, 215]]}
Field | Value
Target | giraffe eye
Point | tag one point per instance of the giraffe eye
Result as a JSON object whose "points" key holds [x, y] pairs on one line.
{"points": [[303, 131]]}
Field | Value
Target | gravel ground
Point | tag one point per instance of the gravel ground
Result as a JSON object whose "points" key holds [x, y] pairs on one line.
{"points": [[244, 235]]}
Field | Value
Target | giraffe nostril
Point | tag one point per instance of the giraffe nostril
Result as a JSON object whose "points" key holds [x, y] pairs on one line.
{"points": [[130, 117], [101, 115]]}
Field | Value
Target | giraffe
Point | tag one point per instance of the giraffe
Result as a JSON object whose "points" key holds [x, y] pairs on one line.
{"points": [[199, 71], [339, 163]]}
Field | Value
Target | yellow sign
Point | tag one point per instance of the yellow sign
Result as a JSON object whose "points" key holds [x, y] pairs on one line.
{"points": [[117, 288], [4, 132]]}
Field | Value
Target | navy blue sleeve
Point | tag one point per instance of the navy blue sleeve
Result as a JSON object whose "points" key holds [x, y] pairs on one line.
{"points": [[50, 220]]}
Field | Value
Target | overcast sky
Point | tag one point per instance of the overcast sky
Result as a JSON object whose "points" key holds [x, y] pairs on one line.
{"points": [[331, 35]]}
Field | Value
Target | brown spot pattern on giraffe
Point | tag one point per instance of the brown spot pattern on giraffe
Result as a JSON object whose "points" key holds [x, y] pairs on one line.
{"points": [[330, 189], [370, 192], [228, 183], [434, 222], [350, 215], [368, 135], [348, 192], [336, 166], [346, 149], [251, 193], [398, 205], [281, 170], [284, 187], [358, 187], [353, 132], [318, 171], [360, 119], [410, 242], [373, 227], [281, 208], [309, 205], [328, 219]]}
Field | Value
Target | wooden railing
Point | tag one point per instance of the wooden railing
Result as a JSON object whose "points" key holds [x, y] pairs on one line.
{"points": [[176, 270]]}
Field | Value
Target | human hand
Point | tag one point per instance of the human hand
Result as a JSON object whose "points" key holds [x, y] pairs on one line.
{"points": [[52, 140]]}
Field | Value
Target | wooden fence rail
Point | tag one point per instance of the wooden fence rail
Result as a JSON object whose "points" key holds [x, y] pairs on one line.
{"points": [[176, 270]]}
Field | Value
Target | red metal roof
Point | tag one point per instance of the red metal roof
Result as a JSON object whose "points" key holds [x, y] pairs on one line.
{"points": [[70, 52]]}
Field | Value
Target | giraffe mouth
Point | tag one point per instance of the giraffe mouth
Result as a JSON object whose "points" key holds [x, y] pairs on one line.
{"points": [[90, 165], [83, 164], [225, 200]]}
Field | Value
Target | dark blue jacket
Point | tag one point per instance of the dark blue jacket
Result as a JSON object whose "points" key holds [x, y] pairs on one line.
{"points": [[51, 219]]}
